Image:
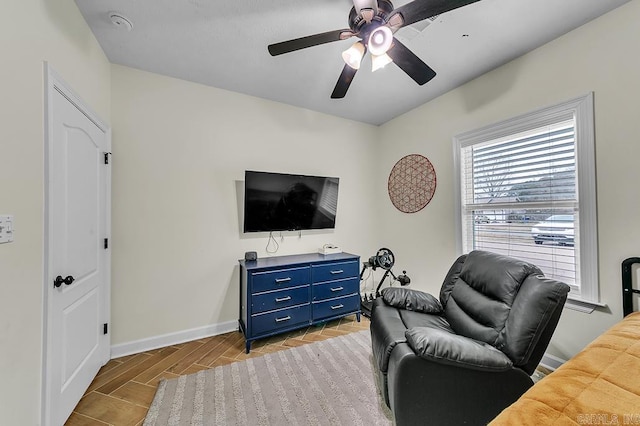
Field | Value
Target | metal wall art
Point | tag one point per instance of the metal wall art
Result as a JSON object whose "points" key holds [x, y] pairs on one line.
{"points": [[412, 183]]}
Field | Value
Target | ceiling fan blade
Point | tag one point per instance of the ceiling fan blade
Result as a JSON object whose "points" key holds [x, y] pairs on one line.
{"points": [[309, 41], [419, 10], [410, 63], [344, 81]]}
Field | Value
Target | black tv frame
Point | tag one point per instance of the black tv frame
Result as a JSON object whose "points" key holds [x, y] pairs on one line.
{"points": [[289, 202]]}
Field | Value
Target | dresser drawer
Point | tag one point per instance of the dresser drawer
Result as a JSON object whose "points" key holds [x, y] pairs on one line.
{"points": [[334, 271], [280, 319], [333, 289], [280, 278], [336, 307], [279, 299]]}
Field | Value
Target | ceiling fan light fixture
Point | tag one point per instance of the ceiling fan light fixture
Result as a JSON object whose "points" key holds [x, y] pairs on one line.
{"points": [[380, 40], [396, 21], [366, 8], [353, 55], [379, 61]]}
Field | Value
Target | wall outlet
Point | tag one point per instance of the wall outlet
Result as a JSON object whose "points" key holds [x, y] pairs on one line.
{"points": [[6, 228]]}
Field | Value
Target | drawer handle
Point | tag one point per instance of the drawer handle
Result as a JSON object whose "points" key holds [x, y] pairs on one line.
{"points": [[337, 307], [339, 271], [337, 289], [287, 318], [282, 280], [283, 299]]}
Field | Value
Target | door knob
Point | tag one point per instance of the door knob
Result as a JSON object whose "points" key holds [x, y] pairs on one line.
{"points": [[59, 280]]}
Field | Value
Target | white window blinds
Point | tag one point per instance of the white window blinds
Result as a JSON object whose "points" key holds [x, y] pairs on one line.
{"points": [[526, 188], [520, 199]]}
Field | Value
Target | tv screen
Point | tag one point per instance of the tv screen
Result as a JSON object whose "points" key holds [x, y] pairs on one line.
{"points": [[285, 202]]}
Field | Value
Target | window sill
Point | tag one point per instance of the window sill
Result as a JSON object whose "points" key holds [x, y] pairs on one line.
{"points": [[580, 305]]}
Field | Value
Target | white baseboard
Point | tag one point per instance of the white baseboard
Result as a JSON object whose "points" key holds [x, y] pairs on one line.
{"points": [[551, 362], [137, 346]]}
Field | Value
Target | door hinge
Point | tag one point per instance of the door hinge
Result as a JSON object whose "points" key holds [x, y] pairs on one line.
{"points": [[106, 157], [106, 243], [105, 328]]}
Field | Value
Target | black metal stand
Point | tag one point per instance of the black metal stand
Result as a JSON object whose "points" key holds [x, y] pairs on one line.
{"points": [[365, 307], [627, 289], [366, 304]]}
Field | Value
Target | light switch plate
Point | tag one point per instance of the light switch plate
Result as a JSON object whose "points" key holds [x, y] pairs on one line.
{"points": [[6, 228]]}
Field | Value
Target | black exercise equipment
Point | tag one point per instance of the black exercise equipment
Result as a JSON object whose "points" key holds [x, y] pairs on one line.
{"points": [[383, 259]]}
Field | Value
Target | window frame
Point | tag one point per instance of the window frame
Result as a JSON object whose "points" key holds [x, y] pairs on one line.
{"points": [[582, 111]]}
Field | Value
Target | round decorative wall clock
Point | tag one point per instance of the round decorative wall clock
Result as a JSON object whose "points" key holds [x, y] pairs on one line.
{"points": [[412, 183]]}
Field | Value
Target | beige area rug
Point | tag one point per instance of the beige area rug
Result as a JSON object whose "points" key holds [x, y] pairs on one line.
{"points": [[331, 382]]}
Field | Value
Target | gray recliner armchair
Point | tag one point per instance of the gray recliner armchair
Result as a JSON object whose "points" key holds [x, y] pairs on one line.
{"points": [[463, 358]]}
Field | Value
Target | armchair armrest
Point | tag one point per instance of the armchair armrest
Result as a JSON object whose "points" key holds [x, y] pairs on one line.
{"points": [[411, 300], [452, 349]]}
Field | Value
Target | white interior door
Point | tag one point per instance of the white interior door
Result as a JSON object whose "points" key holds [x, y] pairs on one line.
{"points": [[77, 277]]}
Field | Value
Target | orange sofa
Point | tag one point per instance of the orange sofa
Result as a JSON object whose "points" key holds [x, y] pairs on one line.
{"points": [[600, 385]]}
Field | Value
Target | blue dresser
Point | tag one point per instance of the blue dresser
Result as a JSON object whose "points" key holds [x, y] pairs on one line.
{"points": [[283, 293]]}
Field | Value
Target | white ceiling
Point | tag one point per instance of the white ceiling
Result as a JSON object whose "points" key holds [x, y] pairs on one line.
{"points": [[224, 44]]}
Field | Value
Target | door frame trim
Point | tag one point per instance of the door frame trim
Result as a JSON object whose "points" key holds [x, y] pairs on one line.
{"points": [[54, 83]]}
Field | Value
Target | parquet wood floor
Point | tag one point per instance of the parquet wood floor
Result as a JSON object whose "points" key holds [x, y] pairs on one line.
{"points": [[124, 388]]}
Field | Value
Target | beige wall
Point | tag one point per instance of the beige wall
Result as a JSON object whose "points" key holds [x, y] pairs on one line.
{"points": [[597, 57], [31, 32], [180, 151]]}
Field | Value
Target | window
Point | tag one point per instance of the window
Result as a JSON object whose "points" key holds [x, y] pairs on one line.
{"points": [[526, 188]]}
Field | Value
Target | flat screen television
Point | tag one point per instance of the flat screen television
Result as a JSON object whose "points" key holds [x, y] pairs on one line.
{"points": [[286, 202]]}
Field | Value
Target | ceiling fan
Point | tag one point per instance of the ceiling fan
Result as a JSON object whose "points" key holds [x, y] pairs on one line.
{"points": [[374, 22]]}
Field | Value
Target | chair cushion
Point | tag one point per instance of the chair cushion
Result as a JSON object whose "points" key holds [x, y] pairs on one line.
{"points": [[480, 301], [411, 300], [389, 324], [413, 319], [446, 348], [496, 276]]}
